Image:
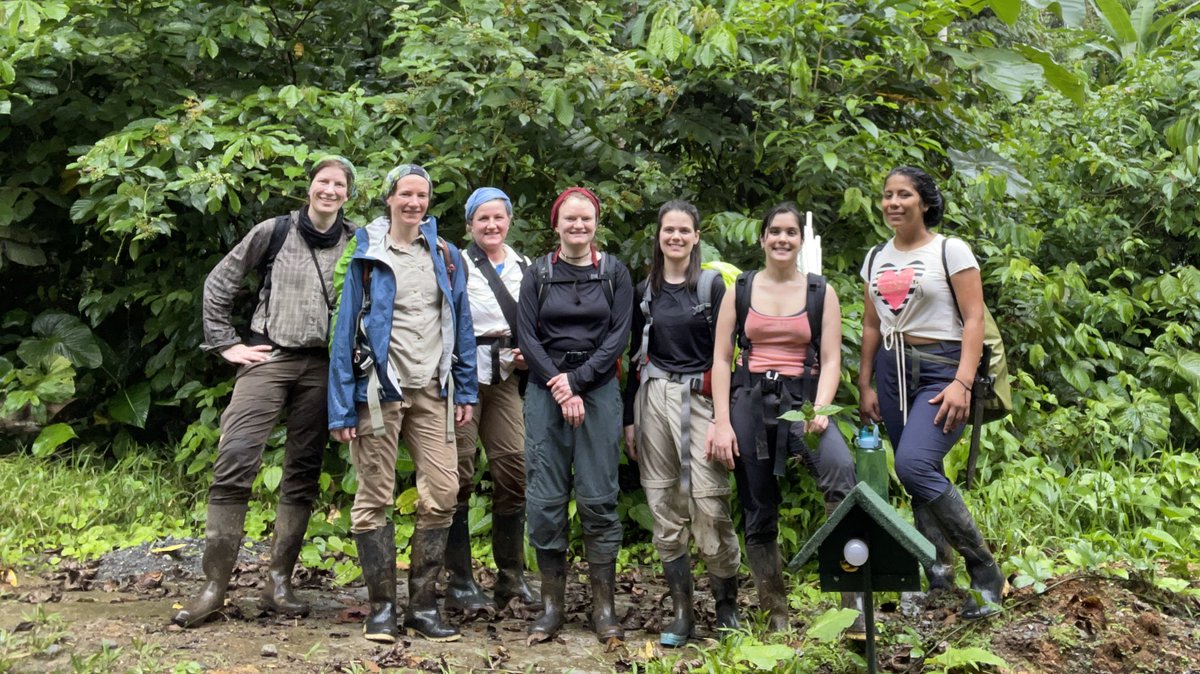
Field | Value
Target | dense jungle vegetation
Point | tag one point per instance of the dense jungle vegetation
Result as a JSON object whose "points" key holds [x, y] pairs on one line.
{"points": [[141, 140]]}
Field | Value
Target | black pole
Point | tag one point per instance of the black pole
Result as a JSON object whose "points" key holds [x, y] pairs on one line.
{"points": [[869, 616]]}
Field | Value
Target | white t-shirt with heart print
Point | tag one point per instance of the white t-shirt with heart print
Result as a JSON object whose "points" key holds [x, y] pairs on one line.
{"points": [[911, 292]]}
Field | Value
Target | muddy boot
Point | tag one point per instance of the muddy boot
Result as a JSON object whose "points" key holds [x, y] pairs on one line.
{"points": [[463, 594], [679, 582], [940, 574], [858, 630], [724, 591], [604, 615], [423, 616], [377, 555], [767, 570], [553, 564], [956, 522], [508, 547], [222, 540], [291, 521]]}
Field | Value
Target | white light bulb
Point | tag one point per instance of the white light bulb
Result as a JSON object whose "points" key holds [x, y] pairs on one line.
{"points": [[855, 552]]}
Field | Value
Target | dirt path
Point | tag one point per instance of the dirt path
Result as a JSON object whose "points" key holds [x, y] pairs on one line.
{"points": [[113, 617]]}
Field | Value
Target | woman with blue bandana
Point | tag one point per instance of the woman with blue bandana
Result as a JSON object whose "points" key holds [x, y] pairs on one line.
{"points": [[282, 365], [402, 365], [494, 273]]}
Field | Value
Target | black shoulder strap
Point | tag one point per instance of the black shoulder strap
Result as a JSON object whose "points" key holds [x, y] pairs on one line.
{"points": [[871, 260], [815, 306], [543, 273], [606, 278], [279, 232], [741, 303], [508, 305]]}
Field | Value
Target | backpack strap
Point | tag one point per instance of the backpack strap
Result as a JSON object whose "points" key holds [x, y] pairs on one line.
{"points": [[444, 248], [544, 271], [279, 232], [508, 305], [815, 306], [643, 354], [704, 293], [741, 302], [946, 271]]}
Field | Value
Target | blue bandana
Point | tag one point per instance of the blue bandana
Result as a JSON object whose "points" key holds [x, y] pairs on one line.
{"points": [[483, 195]]}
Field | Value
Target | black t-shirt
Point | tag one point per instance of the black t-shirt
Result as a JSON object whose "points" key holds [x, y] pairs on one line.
{"points": [[575, 316], [681, 340]]}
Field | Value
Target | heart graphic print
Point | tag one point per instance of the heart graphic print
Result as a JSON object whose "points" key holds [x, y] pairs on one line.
{"points": [[897, 285]]}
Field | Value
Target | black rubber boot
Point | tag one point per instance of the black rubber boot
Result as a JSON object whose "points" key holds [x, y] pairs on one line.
{"points": [[463, 594], [604, 614], [724, 591], [291, 521], [222, 540], [956, 522], [679, 582], [377, 555], [508, 547], [553, 564], [767, 569], [940, 574], [423, 616], [858, 630]]}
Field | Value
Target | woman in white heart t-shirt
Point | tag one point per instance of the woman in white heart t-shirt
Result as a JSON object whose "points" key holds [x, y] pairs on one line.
{"points": [[922, 341]]}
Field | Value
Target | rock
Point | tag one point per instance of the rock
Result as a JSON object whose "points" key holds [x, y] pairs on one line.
{"points": [[269, 651]]}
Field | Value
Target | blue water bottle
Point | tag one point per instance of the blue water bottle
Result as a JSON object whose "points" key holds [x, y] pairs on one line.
{"points": [[870, 461]]}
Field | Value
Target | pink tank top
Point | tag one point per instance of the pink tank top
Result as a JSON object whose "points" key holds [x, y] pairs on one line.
{"points": [[778, 342]]}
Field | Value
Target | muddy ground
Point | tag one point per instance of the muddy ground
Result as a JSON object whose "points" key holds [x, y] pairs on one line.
{"points": [[114, 614]]}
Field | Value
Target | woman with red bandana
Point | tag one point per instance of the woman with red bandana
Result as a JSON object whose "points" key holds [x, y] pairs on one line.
{"points": [[575, 309]]}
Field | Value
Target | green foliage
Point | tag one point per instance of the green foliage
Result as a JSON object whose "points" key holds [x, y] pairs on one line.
{"points": [[84, 506], [965, 660]]}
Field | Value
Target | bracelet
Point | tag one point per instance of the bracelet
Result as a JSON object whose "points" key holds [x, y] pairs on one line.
{"points": [[963, 384]]}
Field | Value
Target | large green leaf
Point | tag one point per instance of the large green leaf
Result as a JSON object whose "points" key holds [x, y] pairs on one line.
{"points": [[1117, 19], [64, 335], [132, 405], [829, 625], [1007, 10], [972, 657], [1072, 12], [51, 438], [1057, 76], [764, 656]]}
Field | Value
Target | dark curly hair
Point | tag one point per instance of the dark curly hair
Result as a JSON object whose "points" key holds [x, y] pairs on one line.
{"points": [[927, 189]]}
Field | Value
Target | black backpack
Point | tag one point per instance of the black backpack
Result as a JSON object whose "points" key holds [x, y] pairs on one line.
{"points": [[543, 271], [703, 305]]}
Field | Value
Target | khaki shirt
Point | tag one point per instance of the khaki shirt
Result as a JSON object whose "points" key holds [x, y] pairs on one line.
{"points": [[416, 314]]}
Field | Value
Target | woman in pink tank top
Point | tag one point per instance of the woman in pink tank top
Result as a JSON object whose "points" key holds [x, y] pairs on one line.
{"points": [[775, 313]]}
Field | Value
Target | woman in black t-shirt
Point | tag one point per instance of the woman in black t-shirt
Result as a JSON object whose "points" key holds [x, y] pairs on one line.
{"points": [[668, 414]]}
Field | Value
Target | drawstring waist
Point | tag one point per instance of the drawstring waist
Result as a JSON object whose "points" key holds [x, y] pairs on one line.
{"points": [[908, 361]]}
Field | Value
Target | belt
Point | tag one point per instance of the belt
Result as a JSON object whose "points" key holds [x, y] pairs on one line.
{"points": [[770, 395], [694, 381], [497, 342], [568, 360]]}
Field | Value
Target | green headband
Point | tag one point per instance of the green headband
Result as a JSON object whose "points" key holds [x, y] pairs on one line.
{"points": [[344, 163]]}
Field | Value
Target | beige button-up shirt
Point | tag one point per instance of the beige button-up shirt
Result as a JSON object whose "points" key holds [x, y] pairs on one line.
{"points": [[416, 314]]}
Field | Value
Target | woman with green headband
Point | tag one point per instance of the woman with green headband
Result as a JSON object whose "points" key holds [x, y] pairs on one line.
{"points": [[282, 365]]}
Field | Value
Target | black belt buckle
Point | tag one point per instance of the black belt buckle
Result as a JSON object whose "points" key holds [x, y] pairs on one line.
{"points": [[573, 359], [771, 382], [696, 384]]}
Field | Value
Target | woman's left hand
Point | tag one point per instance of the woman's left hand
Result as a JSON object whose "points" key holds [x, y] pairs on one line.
{"points": [[463, 414], [519, 360], [955, 401], [560, 388], [817, 424]]}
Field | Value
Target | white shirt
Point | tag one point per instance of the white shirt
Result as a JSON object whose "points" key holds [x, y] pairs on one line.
{"points": [[911, 291], [486, 315]]}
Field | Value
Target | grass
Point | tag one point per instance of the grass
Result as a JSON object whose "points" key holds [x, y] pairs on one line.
{"points": [[84, 506]]}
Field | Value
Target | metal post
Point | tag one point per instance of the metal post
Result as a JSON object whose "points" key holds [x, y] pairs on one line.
{"points": [[869, 616]]}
